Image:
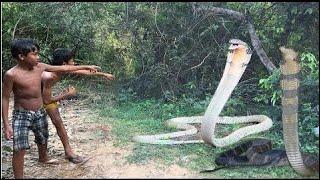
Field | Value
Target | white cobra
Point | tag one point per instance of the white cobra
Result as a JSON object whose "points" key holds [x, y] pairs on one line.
{"points": [[237, 60]]}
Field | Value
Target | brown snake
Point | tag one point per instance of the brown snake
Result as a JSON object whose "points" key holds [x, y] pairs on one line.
{"points": [[290, 84], [259, 152]]}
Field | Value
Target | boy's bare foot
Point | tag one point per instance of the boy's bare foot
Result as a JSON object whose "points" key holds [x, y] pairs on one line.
{"points": [[76, 159], [50, 161]]}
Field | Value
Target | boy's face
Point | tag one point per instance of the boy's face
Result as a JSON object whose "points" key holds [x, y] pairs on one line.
{"points": [[70, 62], [32, 58]]}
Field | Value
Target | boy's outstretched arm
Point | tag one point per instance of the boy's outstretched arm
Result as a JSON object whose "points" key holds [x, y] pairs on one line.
{"points": [[51, 68], [6, 90], [47, 94], [106, 76]]}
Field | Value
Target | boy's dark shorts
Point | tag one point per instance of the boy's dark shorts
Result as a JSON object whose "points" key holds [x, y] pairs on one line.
{"points": [[24, 120]]}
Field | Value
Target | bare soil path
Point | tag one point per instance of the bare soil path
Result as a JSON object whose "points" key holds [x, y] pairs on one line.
{"points": [[87, 139]]}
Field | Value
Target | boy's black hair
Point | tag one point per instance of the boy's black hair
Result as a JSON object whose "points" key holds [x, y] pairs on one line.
{"points": [[61, 55], [23, 46]]}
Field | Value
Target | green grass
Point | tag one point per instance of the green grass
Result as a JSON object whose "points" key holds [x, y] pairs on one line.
{"points": [[148, 117]]}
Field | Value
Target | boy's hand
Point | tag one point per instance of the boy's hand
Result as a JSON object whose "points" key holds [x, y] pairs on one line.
{"points": [[108, 76], [93, 68], [8, 133], [71, 91]]}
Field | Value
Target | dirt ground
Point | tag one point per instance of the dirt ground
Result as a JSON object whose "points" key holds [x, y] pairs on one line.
{"points": [[91, 140]]}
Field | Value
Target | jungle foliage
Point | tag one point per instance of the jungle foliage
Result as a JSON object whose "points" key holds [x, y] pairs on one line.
{"points": [[168, 58], [168, 51]]}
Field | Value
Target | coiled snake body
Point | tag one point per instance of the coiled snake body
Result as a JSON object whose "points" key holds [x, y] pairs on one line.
{"points": [[237, 60], [259, 152], [256, 152]]}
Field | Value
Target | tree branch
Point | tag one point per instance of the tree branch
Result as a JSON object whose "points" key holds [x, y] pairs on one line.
{"points": [[155, 21], [15, 27], [259, 49], [200, 63], [256, 43]]}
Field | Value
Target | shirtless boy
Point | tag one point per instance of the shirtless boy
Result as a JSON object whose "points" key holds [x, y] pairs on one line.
{"points": [[24, 80], [63, 57]]}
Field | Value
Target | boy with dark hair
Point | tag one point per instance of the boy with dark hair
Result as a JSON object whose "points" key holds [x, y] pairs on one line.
{"points": [[24, 80], [63, 57]]}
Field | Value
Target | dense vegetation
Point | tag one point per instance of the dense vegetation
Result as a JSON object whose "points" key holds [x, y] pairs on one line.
{"points": [[169, 57]]}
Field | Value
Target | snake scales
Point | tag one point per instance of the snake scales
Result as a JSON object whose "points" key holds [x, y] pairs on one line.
{"points": [[256, 152], [290, 83], [259, 152], [238, 57]]}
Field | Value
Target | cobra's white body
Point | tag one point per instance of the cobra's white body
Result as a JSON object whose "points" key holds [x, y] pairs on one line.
{"points": [[237, 60]]}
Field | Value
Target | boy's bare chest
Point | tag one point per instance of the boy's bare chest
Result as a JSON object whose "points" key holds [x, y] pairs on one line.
{"points": [[27, 83]]}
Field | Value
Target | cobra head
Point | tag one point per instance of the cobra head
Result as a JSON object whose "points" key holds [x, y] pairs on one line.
{"points": [[288, 54], [237, 43], [239, 51]]}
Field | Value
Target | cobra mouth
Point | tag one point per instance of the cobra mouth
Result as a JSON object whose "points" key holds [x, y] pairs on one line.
{"points": [[236, 43], [233, 47]]}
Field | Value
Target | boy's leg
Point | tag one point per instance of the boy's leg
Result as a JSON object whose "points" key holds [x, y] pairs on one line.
{"points": [[20, 126], [43, 155], [58, 123], [41, 132], [42, 150], [17, 163], [62, 133]]}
